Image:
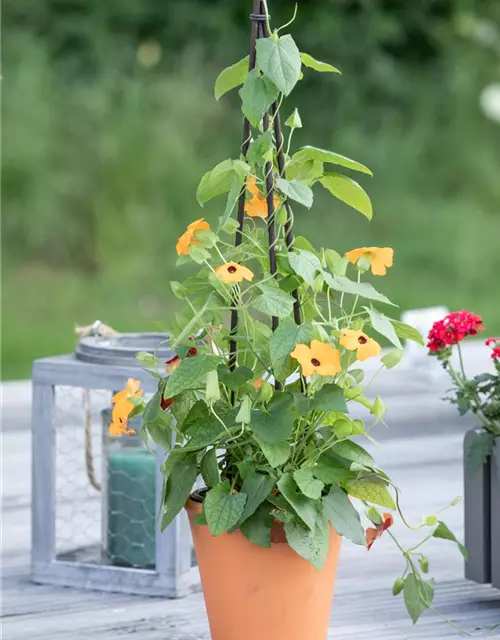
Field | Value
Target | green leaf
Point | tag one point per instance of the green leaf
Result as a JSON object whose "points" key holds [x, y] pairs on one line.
{"points": [[329, 398], [261, 149], [221, 179], [147, 359], [348, 191], [273, 301], [232, 199], [276, 454], [209, 468], [234, 379], [304, 507], [190, 374], [479, 452], [383, 325], [283, 342], [276, 424], [231, 77], [330, 473], [310, 545], [407, 332], [178, 486], [353, 452], [362, 289], [392, 358], [296, 190], [210, 431], [443, 532], [257, 528], [317, 65], [279, 60], [373, 492], [307, 483], [305, 264], [223, 508], [418, 595], [293, 121], [257, 487], [322, 155], [343, 516], [257, 95]]}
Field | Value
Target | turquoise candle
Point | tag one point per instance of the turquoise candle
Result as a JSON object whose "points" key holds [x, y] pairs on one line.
{"points": [[131, 503]]}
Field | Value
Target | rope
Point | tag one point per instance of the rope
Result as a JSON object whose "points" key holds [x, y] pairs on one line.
{"points": [[102, 330]]}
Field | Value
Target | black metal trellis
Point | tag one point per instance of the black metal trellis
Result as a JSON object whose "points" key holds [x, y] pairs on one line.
{"points": [[259, 29]]}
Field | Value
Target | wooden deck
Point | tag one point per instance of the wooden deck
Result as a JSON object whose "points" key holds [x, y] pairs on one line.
{"points": [[429, 472]]}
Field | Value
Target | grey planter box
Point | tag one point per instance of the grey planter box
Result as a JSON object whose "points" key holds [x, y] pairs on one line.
{"points": [[482, 513]]}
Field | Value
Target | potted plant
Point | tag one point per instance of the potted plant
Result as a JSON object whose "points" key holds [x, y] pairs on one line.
{"points": [[268, 346], [479, 395]]}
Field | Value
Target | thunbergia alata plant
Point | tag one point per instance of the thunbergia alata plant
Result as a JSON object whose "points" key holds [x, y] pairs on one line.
{"points": [[481, 394], [268, 345]]}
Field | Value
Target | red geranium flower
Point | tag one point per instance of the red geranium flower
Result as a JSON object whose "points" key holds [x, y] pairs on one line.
{"points": [[453, 329], [495, 349]]}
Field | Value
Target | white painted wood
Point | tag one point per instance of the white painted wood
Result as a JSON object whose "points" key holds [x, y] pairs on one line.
{"points": [[43, 479]]}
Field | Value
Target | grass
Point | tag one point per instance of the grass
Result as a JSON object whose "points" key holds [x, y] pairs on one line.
{"points": [[99, 180]]}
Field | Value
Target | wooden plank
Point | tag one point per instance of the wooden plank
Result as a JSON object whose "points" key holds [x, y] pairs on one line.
{"points": [[429, 472]]}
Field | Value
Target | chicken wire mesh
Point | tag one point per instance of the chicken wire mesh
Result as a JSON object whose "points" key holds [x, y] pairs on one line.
{"points": [[105, 486]]}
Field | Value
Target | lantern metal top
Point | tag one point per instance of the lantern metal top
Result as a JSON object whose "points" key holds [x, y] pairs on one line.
{"points": [[122, 348]]}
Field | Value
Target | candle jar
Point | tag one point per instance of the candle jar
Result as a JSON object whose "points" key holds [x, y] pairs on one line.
{"points": [[129, 498]]}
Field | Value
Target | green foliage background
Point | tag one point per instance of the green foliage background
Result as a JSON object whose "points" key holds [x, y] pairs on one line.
{"points": [[109, 121]]}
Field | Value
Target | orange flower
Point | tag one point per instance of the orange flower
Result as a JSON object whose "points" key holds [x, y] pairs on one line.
{"points": [[131, 389], [188, 237], [320, 357], [121, 411], [256, 206], [233, 272], [381, 258], [258, 383], [124, 407], [372, 533], [358, 341]]}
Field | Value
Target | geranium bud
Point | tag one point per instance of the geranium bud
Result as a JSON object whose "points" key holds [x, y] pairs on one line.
{"points": [[244, 414], [212, 392]]}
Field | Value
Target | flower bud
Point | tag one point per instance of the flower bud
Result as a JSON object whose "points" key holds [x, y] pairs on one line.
{"points": [[266, 392], [212, 392], [398, 586], [244, 414], [424, 564]]}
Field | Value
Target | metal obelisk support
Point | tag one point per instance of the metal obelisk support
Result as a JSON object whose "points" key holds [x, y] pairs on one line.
{"points": [[260, 29]]}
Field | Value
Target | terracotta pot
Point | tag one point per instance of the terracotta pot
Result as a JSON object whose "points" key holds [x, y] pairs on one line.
{"points": [[254, 593]]}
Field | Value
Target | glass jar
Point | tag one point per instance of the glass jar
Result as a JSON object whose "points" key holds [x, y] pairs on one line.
{"points": [[128, 498]]}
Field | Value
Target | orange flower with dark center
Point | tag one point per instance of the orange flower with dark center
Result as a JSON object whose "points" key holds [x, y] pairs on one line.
{"points": [[188, 237], [319, 357], [358, 341], [256, 206], [233, 272], [380, 258], [372, 533]]}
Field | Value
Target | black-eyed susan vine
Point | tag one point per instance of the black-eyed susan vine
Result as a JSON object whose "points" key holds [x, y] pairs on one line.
{"points": [[257, 399]]}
